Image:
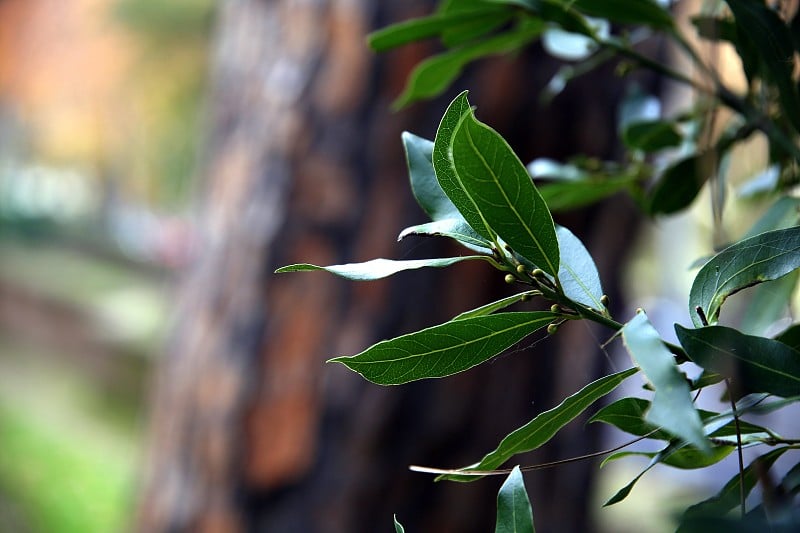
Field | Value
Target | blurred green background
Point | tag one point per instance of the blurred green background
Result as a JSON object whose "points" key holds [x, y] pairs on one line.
{"points": [[100, 123]]}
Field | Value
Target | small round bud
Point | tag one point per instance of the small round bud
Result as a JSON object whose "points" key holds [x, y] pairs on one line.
{"points": [[604, 300], [520, 269], [551, 329], [639, 310], [537, 273], [555, 308], [510, 278]]}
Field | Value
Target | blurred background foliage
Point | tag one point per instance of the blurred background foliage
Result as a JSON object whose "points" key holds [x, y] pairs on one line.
{"points": [[100, 123]]}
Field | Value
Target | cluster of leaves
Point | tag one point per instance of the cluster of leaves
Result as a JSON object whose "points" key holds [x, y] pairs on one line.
{"points": [[477, 191]]}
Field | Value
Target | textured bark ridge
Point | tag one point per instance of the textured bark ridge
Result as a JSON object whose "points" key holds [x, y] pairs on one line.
{"points": [[303, 163]]}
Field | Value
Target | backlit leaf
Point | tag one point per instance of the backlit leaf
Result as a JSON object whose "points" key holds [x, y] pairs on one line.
{"points": [[651, 136], [756, 364], [672, 408], [577, 272], [750, 261], [514, 513], [378, 268], [445, 349], [680, 183]]}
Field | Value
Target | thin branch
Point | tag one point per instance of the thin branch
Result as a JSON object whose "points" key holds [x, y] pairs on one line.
{"points": [[738, 447]]}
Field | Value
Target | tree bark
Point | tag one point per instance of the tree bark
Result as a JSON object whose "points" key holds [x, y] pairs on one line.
{"points": [[303, 163]]}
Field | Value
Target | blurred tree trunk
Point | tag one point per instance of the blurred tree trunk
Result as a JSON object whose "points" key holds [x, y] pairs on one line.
{"points": [[303, 163]]}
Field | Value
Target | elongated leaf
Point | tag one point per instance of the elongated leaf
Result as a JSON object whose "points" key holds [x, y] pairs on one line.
{"points": [[432, 76], [496, 306], [514, 513], [790, 336], [750, 261], [398, 527], [445, 349], [623, 493], [773, 42], [646, 12], [454, 228], [491, 188], [769, 303], [755, 363], [680, 183], [728, 498], [672, 408], [542, 428], [686, 458], [563, 196], [425, 27], [424, 185], [577, 272], [627, 414], [651, 136], [378, 268]]}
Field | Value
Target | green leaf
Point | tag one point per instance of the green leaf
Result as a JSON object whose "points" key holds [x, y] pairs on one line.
{"points": [[686, 458], [490, 308], [755, 363], [728, 498], [514, 513], [432, 76], [454, 228], [651, 136], [491, 188], [398, 527], [627, 414], [680, 183], [424, 185], [484, 18], [564, 196], [379, 268], [623, 493], [790, 336], [646, 12], [577, 272], [773, 42], [672, 408], [445, 349], [542, 428], [750, 261]]}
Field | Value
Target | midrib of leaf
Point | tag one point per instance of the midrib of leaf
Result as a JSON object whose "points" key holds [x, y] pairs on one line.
{"points": [[583, 286], [747, 361], [451, 160], [462, 346], [496, 181]]}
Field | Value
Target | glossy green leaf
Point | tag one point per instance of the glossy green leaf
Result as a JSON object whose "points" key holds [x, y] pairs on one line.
{"points": [[754, 363], [679, 184], [445, 349], [453, 228], [728, 498], [491, 188], [686, 458], [398, 527], [748, 262], [432, 76], [651, 136], [542, 428], [379, 268], [672, 408], [514, 513], [623, 493], [773, 42], [577, 272], [490, 308], [790, 336]]}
